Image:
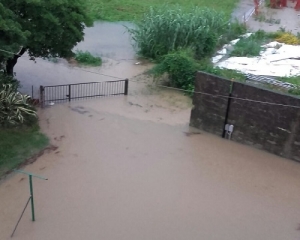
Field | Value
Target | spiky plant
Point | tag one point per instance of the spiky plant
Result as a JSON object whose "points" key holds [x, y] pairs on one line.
{"points": [[14, 106]]}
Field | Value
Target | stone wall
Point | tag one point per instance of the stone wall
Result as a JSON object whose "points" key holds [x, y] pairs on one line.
{"points": [[275, 128]]}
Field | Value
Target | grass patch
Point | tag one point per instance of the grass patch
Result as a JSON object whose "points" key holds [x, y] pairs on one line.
{"points": [[294, 80], [17, 145], [208, 67], [86, 58], [251, 46], [129, 10]]}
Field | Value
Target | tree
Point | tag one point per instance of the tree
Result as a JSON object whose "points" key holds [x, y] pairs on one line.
{"points": [[43, 28], [11, 34]]}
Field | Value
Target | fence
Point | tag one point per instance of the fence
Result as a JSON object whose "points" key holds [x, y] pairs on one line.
{"points": [[68, 92]]}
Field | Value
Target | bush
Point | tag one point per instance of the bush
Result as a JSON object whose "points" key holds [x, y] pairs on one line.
{"points": [[180, 67], [14, 107], [288, 38], [166, 29], [86, 58], [250, 46], [5, 79]]}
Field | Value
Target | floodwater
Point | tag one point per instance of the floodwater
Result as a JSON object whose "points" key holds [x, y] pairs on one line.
{"points": [[111, 41], [285, 18], [127, 169], [243, 11], [130, 168]]}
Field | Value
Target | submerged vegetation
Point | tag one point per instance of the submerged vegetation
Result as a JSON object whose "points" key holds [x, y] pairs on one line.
{"points": [[86, 58]]}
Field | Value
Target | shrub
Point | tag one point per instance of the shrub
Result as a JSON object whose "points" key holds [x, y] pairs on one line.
{"points": [[180, 67], [86, 58], [288, 38], [6, 79], [14, 107], [166, 29]]}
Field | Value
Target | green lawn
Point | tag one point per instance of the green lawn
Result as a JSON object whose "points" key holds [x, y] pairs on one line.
{"points": [[128, 10], [18, 145]]}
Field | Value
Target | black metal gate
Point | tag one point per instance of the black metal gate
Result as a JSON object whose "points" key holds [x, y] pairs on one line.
{"points": [[68, 92]]}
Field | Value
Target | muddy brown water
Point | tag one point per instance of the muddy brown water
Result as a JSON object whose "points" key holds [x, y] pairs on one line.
{"points": [[126, 169], [131, 168]]}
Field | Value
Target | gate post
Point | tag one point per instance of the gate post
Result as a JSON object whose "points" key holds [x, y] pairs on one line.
{"points": [[126, 87], [42, 100], [69, 92]]}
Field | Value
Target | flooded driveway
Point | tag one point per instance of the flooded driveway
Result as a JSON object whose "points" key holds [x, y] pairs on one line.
{"points": [[129, 168]]}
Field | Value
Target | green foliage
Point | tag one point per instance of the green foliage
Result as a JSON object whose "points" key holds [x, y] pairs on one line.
{"points": [[206, 66], [294, 80], [294, 91], [12, 36], [86, 58], [166, 29], [14, 107], [250, 46], [5, 80], [180, 67], [46, 28], [18, 144], [233, 31], [129, 10]]}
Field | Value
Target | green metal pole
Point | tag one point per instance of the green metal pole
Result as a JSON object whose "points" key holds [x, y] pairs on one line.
{"points": [[31, 196]]}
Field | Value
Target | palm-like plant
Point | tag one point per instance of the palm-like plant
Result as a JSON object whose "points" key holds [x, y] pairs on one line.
{"points": [[14, 106]]}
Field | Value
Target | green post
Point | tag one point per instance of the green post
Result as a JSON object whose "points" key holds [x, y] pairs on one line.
{"points": [[31, 196]]}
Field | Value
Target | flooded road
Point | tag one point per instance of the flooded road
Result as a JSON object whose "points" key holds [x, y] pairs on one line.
{"points": [[129, 168], [126, 170]]}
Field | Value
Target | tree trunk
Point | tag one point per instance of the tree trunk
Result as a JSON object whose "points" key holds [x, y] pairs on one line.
{"points": [[10, 63]]}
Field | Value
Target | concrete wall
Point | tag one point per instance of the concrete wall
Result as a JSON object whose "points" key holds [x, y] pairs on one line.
{"points": [[273, 128]]}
